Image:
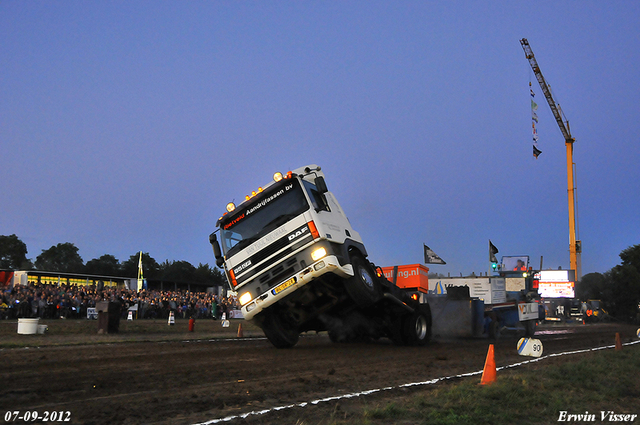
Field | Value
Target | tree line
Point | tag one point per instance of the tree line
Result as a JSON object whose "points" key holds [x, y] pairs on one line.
{"points": [[618, 288], [64, 258]]}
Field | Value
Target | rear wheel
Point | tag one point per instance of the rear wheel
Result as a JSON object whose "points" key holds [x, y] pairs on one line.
{"points": [[417, 328], [279, 333], [363, 286]]}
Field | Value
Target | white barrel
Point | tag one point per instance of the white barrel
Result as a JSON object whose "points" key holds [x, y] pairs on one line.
{"points": [[28, 326]]}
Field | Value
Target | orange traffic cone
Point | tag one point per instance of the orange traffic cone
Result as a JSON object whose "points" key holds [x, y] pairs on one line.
{"points": [[240, 333], [618, 343], [489, 372]]}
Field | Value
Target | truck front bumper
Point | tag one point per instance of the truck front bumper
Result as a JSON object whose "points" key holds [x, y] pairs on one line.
{"points": [[328, 264]]}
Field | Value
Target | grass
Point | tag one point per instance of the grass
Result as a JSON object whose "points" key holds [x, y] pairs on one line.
{"points": [[594, 382]]}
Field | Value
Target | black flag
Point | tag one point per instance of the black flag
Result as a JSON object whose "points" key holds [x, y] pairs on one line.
{"points": [[492, 252], [431, 257], [536, 151]]}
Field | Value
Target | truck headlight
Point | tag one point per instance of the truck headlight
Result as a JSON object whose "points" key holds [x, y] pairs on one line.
{"points": [[318, 254], [245, 298]]}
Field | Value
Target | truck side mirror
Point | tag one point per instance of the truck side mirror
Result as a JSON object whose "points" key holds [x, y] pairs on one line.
{"points": [[213, 240], [321, 185]]}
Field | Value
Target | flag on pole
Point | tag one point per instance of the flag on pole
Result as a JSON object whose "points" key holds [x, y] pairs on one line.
{"points": [[431, 257], [492, 252], [140, 273]]}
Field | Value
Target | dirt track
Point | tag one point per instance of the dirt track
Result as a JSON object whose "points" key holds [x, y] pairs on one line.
{"points": [[187, 382]]}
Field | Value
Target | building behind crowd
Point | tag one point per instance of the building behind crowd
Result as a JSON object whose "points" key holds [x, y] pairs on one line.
{"points": [[12, 278], [21, 277]]}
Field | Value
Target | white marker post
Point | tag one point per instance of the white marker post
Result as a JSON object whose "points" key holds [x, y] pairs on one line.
{"points": [[529, 347]]}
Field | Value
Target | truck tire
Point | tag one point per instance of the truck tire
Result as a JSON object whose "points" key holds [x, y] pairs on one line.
{"points": [[417, 328], [363, 286], [279, 333]]}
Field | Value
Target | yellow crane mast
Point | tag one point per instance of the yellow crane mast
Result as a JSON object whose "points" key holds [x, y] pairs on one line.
{"points": [[575, 246]]}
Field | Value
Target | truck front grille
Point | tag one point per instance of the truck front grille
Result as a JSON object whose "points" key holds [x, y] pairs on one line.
{"points": [[266, 252], [279, 272]]}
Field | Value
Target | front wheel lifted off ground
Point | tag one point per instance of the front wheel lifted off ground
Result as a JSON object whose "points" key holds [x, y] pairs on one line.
{"points": [[279, 333], [363, 286]]}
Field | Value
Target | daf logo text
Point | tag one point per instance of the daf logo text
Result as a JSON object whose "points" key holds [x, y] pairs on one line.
{"points": [[297, 233]]}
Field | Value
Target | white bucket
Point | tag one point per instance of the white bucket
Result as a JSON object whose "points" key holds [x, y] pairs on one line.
{"points": [[28, 326], [42, 329]]}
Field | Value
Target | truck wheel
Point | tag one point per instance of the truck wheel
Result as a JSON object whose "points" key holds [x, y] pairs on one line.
{"points": [[279, 333], [417, 328], [363, 287]]}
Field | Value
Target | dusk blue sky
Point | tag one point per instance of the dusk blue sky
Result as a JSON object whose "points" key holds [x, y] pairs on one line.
{"points": [[128, 125]]}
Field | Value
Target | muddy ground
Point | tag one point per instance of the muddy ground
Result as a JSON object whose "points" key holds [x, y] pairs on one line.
{"points": [[177, 377]]}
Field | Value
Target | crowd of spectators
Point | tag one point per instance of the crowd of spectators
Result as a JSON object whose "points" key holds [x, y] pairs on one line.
{"points": [[52, 301]]}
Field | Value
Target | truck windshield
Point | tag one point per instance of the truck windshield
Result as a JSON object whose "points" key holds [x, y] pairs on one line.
{"points": [[265, 213]]}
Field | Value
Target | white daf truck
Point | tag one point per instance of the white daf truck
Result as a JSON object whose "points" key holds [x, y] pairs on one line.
{"points": [[297, 265]]}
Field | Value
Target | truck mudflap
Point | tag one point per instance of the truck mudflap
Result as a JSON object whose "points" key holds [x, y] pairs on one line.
{"points": [[329, 264]]}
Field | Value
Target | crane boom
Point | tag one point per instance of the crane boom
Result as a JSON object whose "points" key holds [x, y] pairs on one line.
{"points": [[555, 109], [575, 246]]}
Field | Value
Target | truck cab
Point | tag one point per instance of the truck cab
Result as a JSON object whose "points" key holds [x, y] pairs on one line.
{"points": [[283, 237], [297, 265]]}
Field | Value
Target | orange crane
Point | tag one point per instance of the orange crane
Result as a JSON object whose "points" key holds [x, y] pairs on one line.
{"points": [[575, 246]]}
